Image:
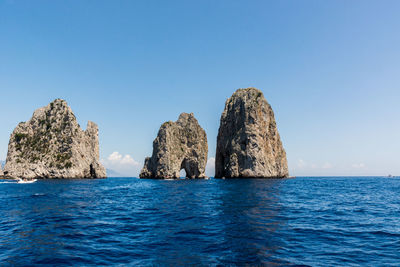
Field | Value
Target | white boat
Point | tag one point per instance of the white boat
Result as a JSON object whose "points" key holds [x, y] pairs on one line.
{"points": [[26, 181]]}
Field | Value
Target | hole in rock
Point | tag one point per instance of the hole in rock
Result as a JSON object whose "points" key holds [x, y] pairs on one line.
{"points": [[182, 174]]}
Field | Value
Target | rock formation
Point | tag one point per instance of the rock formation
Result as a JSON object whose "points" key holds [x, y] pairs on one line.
{"points": [[52, 145], [248, 143], [179, 145]]}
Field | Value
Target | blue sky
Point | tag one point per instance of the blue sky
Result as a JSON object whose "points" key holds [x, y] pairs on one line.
{"points": [[330, 70]]}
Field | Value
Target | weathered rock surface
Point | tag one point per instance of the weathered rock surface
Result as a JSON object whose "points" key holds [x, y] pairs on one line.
{"points": [[179, 145], [248, 143], [52, 145]]}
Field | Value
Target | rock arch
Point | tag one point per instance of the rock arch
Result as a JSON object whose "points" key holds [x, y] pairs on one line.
{"points": [[178, 145]]}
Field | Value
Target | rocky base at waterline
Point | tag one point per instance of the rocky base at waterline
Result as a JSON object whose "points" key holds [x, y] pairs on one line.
{"points": [[248, 143], [179, 145], [52, 145]]}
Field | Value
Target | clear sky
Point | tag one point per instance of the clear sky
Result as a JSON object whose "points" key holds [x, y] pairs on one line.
{"points": [[330, 70]]}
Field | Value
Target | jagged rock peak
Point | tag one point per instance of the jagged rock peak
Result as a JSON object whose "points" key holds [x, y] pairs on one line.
{"points": [[248, 142], [52, 145], [178, 145]]}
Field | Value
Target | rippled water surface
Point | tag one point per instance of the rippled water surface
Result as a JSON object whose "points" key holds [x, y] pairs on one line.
{"points": [[127, 221]]}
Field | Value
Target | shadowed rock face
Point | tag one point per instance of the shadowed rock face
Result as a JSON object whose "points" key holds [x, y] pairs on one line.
{"points": [[179, 145], [52, 145], [248, 143]]}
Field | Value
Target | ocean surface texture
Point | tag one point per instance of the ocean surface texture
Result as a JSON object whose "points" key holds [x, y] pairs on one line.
{"points": [[127, 221]]}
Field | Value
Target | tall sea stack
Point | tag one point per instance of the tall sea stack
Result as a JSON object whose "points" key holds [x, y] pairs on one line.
{"points": [[52, 145], [248, 143], [179, 145]]}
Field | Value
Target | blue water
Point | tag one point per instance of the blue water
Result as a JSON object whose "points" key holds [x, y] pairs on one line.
{"points": [[127, 221]]}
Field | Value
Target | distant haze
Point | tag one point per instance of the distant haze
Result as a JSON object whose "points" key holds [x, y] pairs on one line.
{"points": [[329, 69]]}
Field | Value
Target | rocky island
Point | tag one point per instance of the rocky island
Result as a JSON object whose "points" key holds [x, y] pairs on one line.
{"points": [[248, 142], [178, 145], [53, 145]]}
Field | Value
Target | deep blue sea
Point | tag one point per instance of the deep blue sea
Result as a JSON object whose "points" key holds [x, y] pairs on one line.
{"points": [[335, 221]]}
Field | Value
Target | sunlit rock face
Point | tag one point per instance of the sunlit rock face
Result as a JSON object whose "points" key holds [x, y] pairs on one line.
{"points": [[52, 145], [179, 145], [248, 142]]}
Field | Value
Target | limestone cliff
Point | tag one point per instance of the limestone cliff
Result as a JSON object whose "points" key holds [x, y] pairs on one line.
{"points": [[248, 143], [179, 145], [52, 145]]}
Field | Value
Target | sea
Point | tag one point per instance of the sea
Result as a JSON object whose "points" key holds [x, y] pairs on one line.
{"points": [[305, 221]]}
